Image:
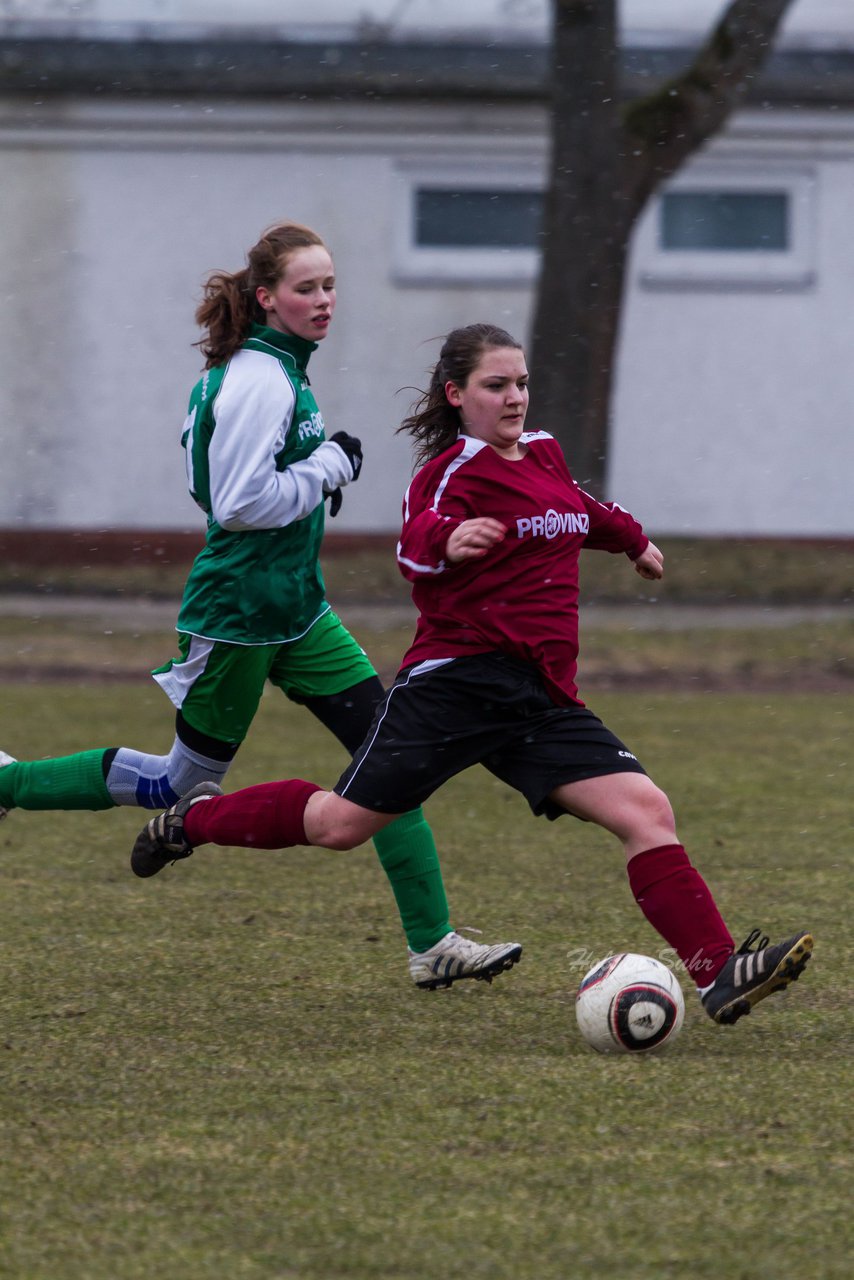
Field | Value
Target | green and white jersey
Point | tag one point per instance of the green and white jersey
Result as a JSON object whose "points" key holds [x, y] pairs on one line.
{"points": [[259, 466]]}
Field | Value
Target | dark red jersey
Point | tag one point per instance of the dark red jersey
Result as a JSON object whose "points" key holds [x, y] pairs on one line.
{"points": [[521, 598]]}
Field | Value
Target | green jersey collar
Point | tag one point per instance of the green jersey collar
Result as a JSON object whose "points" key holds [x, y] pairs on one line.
{"points": [[299, 349]]}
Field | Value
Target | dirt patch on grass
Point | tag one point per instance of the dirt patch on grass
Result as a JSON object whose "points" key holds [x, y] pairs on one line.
{"points": [[657, 646]]}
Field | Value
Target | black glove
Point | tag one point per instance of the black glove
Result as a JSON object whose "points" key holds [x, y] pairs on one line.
{"points": [[335, 500], [353, 449]]}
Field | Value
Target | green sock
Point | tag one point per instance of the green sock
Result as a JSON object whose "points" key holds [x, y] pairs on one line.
{"points": [[408, 855], [64, 782]]}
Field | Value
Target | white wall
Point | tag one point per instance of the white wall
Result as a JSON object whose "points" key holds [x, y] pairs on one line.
{"points": [[734, 405], [732, 409], [110, 224]]}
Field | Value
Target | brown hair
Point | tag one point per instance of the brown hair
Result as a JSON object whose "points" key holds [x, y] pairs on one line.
{"points": [[433, 422], [229, 305]]}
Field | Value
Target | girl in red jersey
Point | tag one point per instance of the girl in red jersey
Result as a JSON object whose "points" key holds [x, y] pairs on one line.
{"points": [[493, 526]]}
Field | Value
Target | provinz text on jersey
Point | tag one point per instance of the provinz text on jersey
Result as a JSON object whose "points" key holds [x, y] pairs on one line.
{"points": [[552, 523]]}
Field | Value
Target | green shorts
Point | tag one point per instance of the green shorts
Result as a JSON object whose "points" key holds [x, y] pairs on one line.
{"points": [[217, 686]]}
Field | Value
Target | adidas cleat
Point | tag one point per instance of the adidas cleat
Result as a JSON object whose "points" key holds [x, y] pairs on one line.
{"points": [[162, 841], [750, 975], [454, 957]]}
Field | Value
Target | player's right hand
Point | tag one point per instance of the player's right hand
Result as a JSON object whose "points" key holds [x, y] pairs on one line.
{"points": [[335, 500], [473, 538]]}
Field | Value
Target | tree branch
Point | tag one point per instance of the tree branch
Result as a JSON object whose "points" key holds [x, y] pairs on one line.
{"points": [[662, 130]]}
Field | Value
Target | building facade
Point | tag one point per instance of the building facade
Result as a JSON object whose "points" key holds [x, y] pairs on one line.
{"points": [[133, 166]]}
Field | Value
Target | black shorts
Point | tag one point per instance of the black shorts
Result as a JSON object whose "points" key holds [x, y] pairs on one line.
{"points": [[488, 709]]}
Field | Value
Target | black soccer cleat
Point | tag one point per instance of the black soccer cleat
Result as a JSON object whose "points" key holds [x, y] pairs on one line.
{"points": [[751, 975], [162, 840]]}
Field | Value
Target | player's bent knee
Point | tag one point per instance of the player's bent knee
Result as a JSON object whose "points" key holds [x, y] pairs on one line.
{"points": [[658, 807], [335, 823]]}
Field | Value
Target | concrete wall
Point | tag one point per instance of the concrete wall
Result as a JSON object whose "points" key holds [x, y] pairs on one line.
{"points": [[733, 403]]}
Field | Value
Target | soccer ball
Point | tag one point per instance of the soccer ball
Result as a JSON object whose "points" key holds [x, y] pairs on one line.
{"points": [[629, 1004]]}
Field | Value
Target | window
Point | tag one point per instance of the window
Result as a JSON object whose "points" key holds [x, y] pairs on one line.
{"points": [[728, 224], [463, 224], [724, 226], [458, 219], [725, 221]]}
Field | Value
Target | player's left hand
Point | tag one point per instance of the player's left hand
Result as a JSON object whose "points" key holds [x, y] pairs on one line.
{"points": [[650, 563], [352, 447]]}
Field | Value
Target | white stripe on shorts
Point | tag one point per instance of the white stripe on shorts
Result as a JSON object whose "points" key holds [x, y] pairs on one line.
{"points": [[177, 682], [430, 665]]}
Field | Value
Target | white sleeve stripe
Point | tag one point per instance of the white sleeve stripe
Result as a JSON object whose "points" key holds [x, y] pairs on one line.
{"points": [[420, 568], [469, 450], [609, 506]]}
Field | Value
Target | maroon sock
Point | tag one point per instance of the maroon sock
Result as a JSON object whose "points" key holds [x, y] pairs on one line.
{"points": [[677, 902], [267, 816]]}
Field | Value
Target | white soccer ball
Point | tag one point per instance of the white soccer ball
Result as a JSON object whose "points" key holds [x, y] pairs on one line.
{"points": [[629, 1004]]}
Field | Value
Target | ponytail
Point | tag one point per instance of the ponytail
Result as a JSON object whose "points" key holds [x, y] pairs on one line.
{"points": [[229, 305]]}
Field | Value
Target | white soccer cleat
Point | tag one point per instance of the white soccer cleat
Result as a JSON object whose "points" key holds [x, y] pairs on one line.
{"points": [[454, 957], [5, 758]]}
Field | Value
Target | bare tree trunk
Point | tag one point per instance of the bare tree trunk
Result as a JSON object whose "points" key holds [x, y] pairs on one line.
{"points": [[575, 322], [605, 163]]}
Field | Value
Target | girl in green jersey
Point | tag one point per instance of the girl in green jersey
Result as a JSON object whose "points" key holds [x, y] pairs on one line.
{"points": [[254, 607]]}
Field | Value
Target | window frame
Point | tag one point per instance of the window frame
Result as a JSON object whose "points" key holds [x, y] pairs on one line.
{"points": [[655, 268], [467, 265], [754, 269]]}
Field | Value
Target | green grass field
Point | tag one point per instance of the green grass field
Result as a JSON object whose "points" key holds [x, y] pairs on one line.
{"points": [[226, 1072]]}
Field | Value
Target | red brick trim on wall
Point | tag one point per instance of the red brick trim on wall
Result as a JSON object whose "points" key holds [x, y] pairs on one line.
{"points": [[78, 547]]}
